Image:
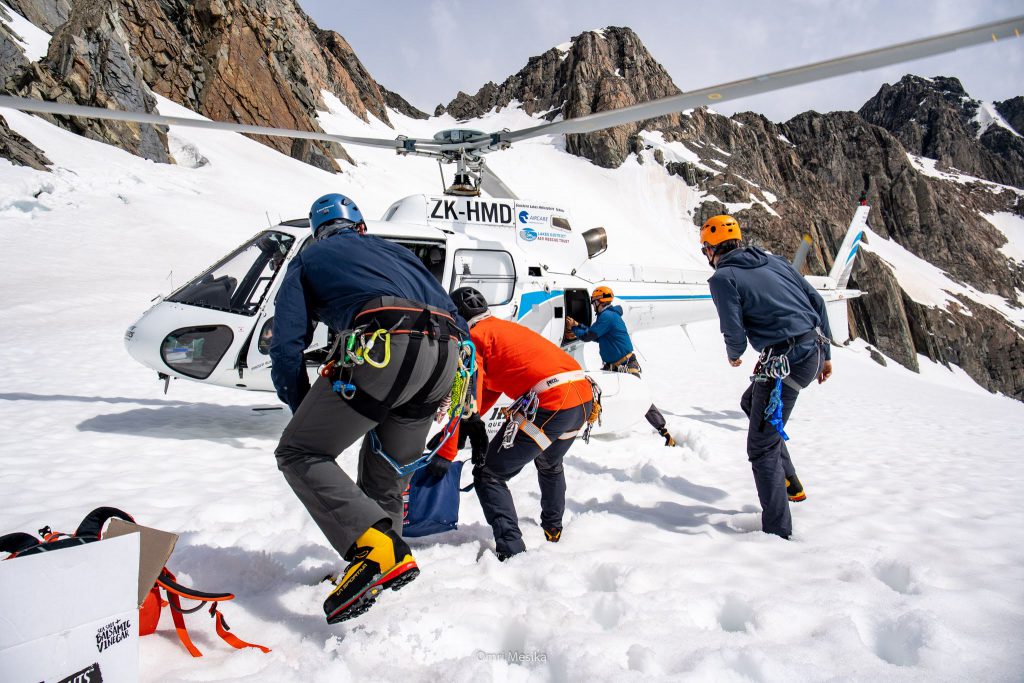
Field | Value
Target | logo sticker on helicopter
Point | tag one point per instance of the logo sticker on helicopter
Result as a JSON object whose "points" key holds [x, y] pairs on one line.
{"points": [[528, 234], [525, 217]]}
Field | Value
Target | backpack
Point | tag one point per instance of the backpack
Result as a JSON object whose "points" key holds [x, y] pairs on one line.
{"points": [[20, 544]]}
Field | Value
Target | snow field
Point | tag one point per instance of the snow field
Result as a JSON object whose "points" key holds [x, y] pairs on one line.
{"points": [[907, 560]]}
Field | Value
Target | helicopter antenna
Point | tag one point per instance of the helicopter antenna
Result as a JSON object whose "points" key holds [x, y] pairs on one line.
{"points": [[440, 169]]}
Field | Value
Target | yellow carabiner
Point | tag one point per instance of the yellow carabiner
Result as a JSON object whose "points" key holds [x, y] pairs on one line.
{"points": [[387, 349]]}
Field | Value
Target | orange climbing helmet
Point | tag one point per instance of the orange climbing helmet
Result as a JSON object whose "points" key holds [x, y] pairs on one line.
{"points": [[718, 229], [602, 295]]}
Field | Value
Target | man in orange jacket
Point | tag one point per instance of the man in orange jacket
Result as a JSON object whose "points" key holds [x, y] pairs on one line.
{"points": [[556, 400]]}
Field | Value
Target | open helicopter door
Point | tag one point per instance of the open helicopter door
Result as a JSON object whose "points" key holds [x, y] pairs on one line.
{"points": [[253, 364]]}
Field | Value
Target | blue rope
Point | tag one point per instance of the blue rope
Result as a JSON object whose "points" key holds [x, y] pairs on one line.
{"points": [[773, 411]]}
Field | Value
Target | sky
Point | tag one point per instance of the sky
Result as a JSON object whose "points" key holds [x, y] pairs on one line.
{"points": [[427, 51]]}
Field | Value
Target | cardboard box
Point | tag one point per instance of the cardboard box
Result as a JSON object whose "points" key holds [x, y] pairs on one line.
{"points": [[155, 548], [71, 615]]}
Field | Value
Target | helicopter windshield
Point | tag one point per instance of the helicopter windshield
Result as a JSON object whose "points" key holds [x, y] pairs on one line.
{"points": [[241, 280]]}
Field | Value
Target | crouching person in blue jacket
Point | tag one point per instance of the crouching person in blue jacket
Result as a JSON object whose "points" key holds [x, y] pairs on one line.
{"points": [[365, 289], [612, 337], [763, 298]]}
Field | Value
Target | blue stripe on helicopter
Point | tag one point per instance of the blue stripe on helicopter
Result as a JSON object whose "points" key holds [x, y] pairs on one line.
{"points": [[531, 299], [856, 246]]}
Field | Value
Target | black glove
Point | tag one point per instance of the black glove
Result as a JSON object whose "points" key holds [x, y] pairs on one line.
{"points": [[437, 468], [476, 431], [435, 441]]}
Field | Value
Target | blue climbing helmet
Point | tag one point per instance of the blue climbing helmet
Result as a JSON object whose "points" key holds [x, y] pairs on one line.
{"points": [[332, 208]]}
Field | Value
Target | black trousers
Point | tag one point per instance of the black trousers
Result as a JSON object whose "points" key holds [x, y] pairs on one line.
{"points": [[491, 478], [766, 450]]}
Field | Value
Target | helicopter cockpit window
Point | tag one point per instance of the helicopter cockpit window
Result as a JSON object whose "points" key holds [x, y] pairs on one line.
{"points": [[239, 282], [490, 271]]}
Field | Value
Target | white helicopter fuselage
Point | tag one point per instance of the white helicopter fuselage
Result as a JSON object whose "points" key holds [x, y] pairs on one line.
{"points": [[527, 258]]}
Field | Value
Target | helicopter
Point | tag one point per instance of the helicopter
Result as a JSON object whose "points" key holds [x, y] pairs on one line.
{"points": [[527, 257]]}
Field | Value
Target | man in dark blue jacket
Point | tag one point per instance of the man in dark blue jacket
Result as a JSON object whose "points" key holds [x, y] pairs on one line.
{"points": [[616, 348], [762, 298], [391, 382]]}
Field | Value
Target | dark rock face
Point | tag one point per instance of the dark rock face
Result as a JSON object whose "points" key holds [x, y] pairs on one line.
{"points": [[262, 62], [601, 70], [399, 103], [816, 164], [87, 63], [936, 118], [1013, 111], [46, 14], [20, 151], [12, 57]]}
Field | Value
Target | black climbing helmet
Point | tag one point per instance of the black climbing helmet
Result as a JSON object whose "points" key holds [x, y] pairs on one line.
{"points": [[469, 302]]}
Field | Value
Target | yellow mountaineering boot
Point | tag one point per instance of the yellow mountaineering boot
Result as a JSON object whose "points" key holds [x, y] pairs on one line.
{"points": [[379, 560], [795, 490]]}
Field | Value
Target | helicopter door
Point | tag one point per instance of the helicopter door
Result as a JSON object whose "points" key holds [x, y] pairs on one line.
{"points": [[577, 307]]}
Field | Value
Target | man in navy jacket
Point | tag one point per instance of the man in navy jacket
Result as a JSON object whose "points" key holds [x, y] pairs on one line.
{"points": [[616, 348], [762, 298], [349, 280]]}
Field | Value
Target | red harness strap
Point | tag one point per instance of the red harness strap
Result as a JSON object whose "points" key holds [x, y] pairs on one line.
{"points": [[176, 591]]}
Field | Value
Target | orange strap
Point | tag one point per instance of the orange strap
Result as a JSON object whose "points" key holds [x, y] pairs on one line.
{"points": [[179, 625], [230, 638], [174, 596]]}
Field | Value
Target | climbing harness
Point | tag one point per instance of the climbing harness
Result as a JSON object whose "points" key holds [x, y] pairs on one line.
{"points": [[522, 413], [457, 404], [773, 366], [20, 544], [595, 410]]}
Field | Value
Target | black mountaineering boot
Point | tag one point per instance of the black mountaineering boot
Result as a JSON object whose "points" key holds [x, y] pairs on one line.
{"points": [[552, 534], [379, 560], [795, 490], [669, 440]]}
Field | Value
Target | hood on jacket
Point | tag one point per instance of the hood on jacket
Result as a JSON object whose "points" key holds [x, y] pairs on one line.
{"points": [[614, 309], [744, 257]]}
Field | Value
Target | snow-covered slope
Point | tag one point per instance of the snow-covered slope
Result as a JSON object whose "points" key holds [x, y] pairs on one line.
{"points": [[907, 563]]}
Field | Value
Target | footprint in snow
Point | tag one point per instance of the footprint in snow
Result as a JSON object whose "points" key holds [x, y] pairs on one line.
{"points": [[899, 641], [736, 615], [898, 576]]}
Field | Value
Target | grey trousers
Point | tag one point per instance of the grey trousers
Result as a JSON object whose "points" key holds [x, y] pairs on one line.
{"points": [[326, 424]]}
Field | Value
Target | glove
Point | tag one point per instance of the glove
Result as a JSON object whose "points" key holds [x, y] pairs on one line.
{"points": [[437, 468], [476, 431], [434, 442]]}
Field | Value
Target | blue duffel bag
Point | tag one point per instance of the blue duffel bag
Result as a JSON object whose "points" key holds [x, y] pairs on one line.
{"points": [[432, 505]]}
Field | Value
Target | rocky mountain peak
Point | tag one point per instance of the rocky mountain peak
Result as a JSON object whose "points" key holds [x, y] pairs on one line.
{"points": [[597, 70], [936, 118], [262, 62]]}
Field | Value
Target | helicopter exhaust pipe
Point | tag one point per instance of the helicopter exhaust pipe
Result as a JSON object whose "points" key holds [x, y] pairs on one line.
{"points": [[597, 241]]}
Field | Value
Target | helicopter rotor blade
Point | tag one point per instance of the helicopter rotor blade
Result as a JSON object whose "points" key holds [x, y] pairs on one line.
{"points": [[64, 109], [493, 185], [861, 61]]}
